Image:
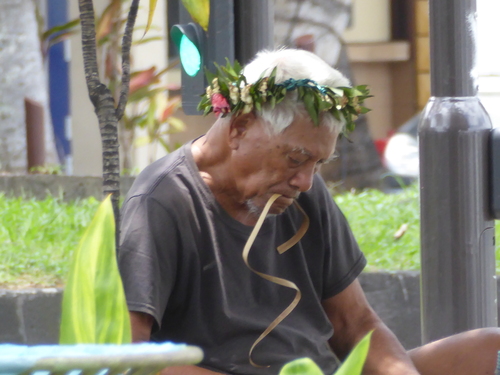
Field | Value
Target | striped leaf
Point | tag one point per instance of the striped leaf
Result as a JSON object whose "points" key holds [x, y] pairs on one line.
{"points": [[354, 363], [152, 7], [301, 366], [199, 11], [94, 309]]}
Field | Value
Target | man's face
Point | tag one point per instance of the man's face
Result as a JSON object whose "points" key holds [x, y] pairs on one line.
{"points": [[280, 164]]}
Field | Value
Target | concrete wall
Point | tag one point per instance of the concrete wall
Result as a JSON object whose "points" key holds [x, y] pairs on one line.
{"points": [[32, 316], [67, 187]]}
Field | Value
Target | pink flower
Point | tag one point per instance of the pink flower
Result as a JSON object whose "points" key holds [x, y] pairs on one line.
{"points": [[220, 104]]}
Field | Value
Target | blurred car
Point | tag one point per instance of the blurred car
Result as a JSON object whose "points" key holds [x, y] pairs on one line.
{"points": [[400, 155]]}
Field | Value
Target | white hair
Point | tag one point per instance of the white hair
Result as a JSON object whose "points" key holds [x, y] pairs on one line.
{"points": [[296, 64]]}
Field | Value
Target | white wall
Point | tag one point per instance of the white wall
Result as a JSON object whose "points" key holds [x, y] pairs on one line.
{"points": [[489, 57], [144, 57], [86, 142]]}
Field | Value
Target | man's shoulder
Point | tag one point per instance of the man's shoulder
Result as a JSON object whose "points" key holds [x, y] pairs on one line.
{"points": [[167, 177], [162, 172]]}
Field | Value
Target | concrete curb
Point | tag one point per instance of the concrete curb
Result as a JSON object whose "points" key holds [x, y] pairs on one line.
{"points": [[395, 296], [67, 187], [32, 316]]}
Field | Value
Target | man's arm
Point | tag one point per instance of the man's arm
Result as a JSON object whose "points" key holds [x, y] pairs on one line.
{"points": [[141, 331], [352, 318]]}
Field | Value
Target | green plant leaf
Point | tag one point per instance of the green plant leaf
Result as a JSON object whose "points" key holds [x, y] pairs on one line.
{"points": [[94, 310], [146, 40], [164, 144], [61, 37], [151, 117], [199, 11], [309, 104], [69, 26], [107, 20], [177, 124], [142, 141], [152, 7], [354, 363], [301, 366]]}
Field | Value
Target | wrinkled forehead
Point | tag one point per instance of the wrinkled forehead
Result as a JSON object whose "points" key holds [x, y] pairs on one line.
{"points": [[313, 142]]}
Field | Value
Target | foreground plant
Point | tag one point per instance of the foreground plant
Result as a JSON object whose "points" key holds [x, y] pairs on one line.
{"points": [[353, 365], [94, 310]]}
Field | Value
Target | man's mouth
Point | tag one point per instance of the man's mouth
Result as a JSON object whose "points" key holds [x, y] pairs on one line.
{"points": [[285, 200], [289, 196]]}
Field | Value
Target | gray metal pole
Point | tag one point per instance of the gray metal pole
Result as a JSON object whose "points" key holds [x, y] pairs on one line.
{"points": [[254, 31], [457, 233]]}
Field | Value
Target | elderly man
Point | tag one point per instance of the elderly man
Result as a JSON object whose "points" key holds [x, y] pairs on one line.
{"points": [[233, 243]]}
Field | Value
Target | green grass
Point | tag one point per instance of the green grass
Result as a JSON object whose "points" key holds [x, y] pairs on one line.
{"points": [[375, 218], [37, 239]]}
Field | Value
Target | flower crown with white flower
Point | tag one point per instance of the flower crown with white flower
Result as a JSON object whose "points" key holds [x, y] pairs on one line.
{"points": [[229, 92]]}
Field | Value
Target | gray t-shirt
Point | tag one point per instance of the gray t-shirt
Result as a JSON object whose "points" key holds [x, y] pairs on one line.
{"points": [[181, 262]]}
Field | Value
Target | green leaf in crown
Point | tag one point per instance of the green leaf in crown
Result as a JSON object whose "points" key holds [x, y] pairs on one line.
{"points": [[230, 92]]}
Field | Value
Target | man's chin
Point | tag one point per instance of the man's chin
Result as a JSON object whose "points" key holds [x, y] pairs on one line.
{"points": [[278, 207]]}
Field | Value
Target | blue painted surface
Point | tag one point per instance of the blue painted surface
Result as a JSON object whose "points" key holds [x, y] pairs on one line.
{"points": [[57, 14], [16, 359]]}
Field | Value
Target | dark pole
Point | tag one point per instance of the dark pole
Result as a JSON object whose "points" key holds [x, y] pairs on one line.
{"points": [[254, 28], [457, 233], [35, 134]]}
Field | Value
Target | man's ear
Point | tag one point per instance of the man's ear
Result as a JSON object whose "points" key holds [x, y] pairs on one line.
{"points": [[239, 127]]}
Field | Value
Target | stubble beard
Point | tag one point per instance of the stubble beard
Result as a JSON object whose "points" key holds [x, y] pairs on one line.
{"points": [[255, 210]]}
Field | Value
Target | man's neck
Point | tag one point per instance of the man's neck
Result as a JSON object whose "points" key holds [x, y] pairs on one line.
{"points": [[214, 169]]}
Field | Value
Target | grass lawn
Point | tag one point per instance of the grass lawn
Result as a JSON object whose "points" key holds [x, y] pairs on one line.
{"points": [[387, 227], [37, 238]]}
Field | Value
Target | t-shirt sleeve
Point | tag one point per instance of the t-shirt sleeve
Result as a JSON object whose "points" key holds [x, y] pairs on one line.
{"points": [[147, 256], [343, 260]]}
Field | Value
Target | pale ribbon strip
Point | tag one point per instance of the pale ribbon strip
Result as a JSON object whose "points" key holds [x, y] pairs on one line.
{"points": [[277, 280]]}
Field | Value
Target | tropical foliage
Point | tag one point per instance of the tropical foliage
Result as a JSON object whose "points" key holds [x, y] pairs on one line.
{"points": [[353, 365], [229, 92], [94, 310]]}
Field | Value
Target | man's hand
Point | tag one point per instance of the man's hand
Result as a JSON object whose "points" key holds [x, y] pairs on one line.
{"points": [[141, 332], [352, 318]]}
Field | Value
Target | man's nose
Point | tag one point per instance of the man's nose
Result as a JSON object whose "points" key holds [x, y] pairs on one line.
{"points": [[303, 179]]}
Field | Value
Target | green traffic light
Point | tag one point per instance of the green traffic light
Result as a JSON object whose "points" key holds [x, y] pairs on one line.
{"points": [[190, 56]]}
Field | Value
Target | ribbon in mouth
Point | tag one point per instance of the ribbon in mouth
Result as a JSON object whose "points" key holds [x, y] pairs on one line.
{"points": [[277, 280]]}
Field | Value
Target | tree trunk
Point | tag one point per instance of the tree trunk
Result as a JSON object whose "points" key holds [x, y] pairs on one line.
{"points": [[108, 113]]}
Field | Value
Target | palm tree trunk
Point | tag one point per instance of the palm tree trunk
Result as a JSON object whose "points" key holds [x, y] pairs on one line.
{"points": [[108, 113]]}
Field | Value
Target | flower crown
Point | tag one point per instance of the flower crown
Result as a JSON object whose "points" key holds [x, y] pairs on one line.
{"points": [[229, 92]]}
